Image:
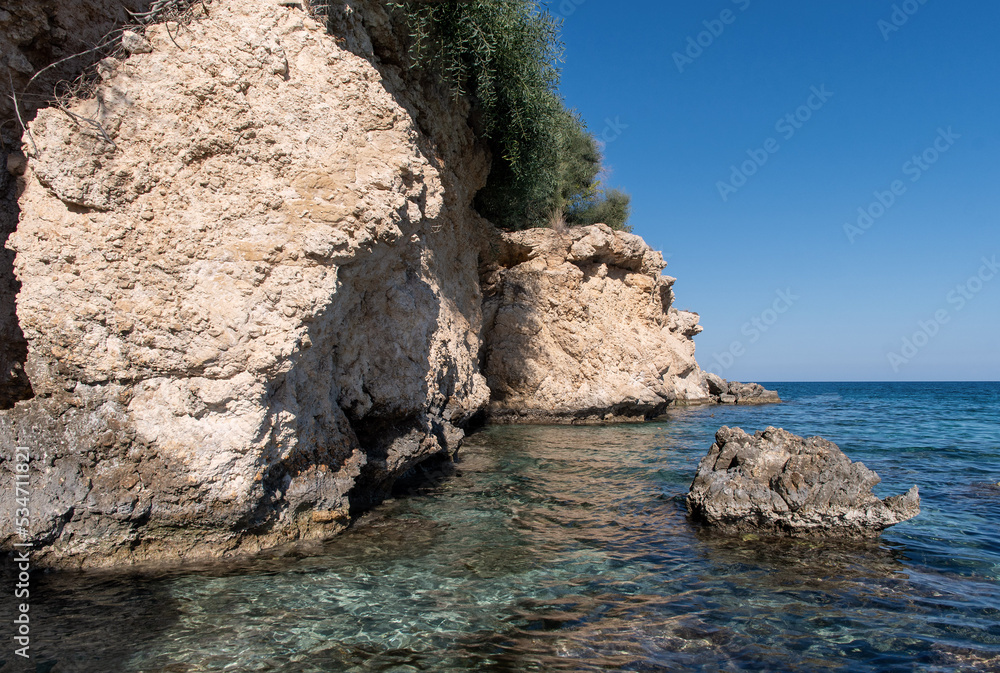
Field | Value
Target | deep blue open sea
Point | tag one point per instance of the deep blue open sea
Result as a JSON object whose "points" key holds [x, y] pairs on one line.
{"points": [[568, 549]]}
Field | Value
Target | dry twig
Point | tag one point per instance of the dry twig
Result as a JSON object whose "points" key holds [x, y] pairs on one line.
{"points": [[17, 111]]}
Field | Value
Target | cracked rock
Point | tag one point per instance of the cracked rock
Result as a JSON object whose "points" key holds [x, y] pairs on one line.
{"points": [[777, 483]]}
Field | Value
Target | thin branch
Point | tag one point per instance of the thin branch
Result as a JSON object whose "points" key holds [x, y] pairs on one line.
{"points": [[17, 111], [166, 24], [164, 7], [93, 123], [100, 45], [160, 10]]}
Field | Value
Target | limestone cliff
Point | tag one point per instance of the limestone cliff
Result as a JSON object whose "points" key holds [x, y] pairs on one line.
{"points": [[249, 286], [42, 43], [580, 327], [250, 296]]}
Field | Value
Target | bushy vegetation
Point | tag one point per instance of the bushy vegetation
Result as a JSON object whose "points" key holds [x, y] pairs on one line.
{"points": [[610, 206], [502, 54]]}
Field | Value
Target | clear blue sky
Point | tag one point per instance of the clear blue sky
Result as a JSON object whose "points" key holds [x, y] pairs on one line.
{"points": [[732, 249]]}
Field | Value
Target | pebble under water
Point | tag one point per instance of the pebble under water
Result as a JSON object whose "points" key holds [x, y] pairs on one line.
{"points": [[569, 549]]}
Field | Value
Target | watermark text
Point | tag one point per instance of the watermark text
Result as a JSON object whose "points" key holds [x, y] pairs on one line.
{"points": [[786, 126], [754, 329], [913, 169], [900, 16], [957, 299], [22, 560], [714, 28]]}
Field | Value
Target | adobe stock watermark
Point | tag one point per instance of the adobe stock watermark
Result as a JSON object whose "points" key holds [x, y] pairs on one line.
{"points": [[613, 128], [22, 560], [957, 299], [787, 126], [612, 131], [754, 329], [566, 8], [900, 16], [714, 28], [914, 169]]}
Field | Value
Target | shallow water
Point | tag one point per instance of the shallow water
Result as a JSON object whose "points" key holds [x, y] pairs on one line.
{"points": [[568, 549]]}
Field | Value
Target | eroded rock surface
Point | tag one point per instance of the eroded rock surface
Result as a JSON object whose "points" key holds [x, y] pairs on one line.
{"points": [[36, 34], [250, 294], [580, 327], [777, 483], [733, 392], [38, 41]]}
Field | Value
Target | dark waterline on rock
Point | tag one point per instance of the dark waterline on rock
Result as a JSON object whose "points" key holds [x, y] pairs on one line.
{"points": [[569, 549]]}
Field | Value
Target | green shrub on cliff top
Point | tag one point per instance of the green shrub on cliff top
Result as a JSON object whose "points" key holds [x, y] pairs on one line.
{"points": [[581, 197], [610, 206], [502, 54]]}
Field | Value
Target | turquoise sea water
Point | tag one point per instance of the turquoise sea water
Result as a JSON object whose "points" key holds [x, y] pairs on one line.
{"points": [[568, 549]]}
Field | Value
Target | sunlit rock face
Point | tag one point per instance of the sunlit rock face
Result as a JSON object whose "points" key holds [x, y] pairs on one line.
{"points": [[249, 290], [777, 483], [580, 327]]}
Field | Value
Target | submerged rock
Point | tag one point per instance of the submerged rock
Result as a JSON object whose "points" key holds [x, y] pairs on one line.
{"points": [[777, 483]]}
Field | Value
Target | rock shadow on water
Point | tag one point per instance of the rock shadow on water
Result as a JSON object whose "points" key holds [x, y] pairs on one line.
{"points": [[92, 622]]}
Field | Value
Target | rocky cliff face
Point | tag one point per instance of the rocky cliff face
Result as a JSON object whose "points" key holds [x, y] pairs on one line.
{"points": [[42, 43], [250, 291], [580, 328], [50, 41]]}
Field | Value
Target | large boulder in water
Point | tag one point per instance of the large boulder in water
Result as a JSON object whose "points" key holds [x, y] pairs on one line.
{"points": [[777, 483]]}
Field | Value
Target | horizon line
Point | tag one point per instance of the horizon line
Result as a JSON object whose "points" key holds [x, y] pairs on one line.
{"points": [[882, 381]]}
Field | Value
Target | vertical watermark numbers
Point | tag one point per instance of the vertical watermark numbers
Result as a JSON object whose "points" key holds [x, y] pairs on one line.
{"points": [[957, 299], [22, 559]]}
